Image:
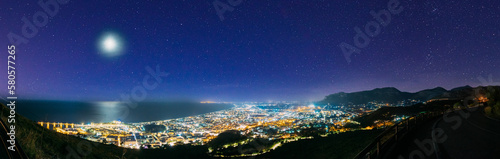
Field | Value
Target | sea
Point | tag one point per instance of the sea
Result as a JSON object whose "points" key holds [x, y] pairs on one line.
{"points": [[100, 112]]}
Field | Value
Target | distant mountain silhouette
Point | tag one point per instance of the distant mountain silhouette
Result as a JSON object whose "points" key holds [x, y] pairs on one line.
{"points": [[393, 95]]}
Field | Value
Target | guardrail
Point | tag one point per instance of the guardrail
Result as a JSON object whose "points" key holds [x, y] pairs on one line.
{"points": [[19, 153], [393, 134]]}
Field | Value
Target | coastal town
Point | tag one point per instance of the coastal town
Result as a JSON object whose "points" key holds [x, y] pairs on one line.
{"points": [[272, 121]]}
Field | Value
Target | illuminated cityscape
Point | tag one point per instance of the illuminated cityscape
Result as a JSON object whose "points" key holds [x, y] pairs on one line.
{"points": [[248, 79], [272, 121]]}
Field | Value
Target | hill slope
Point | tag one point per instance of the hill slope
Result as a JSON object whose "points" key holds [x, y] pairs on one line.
{"points": [[343, 145], [392, 95]]}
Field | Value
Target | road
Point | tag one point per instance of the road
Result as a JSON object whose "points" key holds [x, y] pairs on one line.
{"points": [[466, 134], [477, 136]]}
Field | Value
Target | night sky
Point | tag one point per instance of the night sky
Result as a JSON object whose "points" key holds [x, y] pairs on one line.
{"points": [[260, 51]]}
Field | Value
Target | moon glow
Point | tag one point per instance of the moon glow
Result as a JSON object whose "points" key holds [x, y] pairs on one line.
{"points": [[110, 45]]}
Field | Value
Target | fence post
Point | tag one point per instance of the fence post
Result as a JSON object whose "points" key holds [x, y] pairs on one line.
{"points": [[407, 124], [378, 148], [396, 133]]}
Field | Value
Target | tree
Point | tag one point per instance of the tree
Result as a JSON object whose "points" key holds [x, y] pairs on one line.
{"points": [[493, 96], [227, 137], [457, 105]]}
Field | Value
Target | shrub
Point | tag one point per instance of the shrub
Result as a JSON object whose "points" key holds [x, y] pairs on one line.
{"points": [[487, 111], [496, 110]]}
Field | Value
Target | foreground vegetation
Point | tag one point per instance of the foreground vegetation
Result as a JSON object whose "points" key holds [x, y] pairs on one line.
{"points": [[493, 108]]}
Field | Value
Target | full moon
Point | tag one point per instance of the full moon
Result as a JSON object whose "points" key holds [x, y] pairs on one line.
{"points": [[110, 45]]}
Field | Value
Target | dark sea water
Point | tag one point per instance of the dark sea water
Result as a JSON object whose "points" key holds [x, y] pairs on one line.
{"points": [[84, 112]]}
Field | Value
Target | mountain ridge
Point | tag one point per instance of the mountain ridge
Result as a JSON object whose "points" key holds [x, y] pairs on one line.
{"points": [[393, 95]]}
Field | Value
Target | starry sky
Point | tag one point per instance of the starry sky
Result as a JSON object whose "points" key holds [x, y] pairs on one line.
{"points": [[260, 50]]}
